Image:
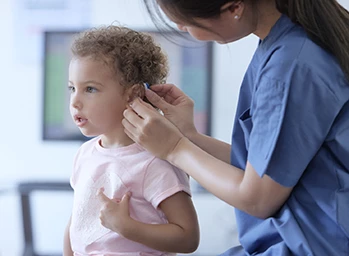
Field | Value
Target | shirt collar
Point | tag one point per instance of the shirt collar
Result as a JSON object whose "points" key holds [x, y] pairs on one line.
{"points": [[282, 25]]}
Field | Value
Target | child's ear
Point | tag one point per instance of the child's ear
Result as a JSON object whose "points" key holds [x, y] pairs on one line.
{"points": [[136, 90]]}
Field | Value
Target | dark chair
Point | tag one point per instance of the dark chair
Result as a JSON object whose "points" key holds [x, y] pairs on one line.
{"points": [[25, 189]]}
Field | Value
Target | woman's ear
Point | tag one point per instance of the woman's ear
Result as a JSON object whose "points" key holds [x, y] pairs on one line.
{"points": [[135, 91], [234, 8]]}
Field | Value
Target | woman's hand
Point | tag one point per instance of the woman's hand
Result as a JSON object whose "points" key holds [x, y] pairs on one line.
{"points": [[146, 126], [114, 213], [176, 106]]}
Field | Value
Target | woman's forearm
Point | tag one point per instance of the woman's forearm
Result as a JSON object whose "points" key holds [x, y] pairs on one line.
{"points": [[214, 147], [216, 175], [242, 189]]}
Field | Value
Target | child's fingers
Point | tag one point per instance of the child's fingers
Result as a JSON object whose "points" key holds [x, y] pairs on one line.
{"points": [[126, 198], [102, 197]]}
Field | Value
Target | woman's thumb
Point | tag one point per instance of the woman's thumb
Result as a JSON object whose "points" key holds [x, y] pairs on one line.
{"points": [[156, 100]]}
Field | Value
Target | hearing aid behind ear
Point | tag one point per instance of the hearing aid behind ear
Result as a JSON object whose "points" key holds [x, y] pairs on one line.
{"points": [[146, 86]]}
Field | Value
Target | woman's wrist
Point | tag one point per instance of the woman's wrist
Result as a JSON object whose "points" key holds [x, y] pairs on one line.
{"points": [[192, 134], [182, 143]]}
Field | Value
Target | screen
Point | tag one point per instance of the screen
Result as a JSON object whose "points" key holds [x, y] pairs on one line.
{"points": [[190, 68]]}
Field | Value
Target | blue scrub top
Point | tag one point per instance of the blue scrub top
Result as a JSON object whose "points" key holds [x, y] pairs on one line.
{"points": [[292, 123]]}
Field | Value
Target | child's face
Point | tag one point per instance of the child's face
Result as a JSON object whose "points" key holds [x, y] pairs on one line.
{"points": [[97, 100]]}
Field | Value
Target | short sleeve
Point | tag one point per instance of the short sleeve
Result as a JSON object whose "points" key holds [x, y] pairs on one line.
{"points": [[290, 121], [163, 180]]}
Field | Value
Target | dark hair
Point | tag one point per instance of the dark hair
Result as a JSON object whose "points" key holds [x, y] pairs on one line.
{"points": [[325, 21], [184, 10]]}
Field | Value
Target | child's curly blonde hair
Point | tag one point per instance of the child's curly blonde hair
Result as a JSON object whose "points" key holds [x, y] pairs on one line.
{"points": [[133, 56]]}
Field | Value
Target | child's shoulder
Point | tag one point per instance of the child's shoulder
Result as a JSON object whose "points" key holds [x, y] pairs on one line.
{"points": [[88, 145], [90, 142], [157, 165], [155, 162]]}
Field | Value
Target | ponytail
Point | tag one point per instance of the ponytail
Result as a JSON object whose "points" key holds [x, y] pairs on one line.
{"points": [[326, 23]]}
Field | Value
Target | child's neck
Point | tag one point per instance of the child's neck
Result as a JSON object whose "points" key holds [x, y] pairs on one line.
{"points": [[115, 141]]}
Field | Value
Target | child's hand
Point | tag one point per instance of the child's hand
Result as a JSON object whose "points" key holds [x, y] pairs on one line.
{"points": [[114, 214]]}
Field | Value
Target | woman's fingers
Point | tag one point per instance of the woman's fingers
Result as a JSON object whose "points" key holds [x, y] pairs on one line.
{"points": [[142, 109], [132, 115], [169, 92], [128, 125], [156, 100], [129, 129], [134, 118]]}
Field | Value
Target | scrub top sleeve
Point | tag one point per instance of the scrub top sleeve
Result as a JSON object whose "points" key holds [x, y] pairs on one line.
{"points": [[290, 121]]}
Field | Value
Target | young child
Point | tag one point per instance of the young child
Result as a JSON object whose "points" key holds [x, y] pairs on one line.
{"points": [[126, 201]]}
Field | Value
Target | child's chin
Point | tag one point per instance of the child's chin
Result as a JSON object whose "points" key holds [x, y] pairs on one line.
{"points": [[88, 135]]}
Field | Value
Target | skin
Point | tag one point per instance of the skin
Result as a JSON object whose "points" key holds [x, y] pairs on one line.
{"points": [[181, 234], [173, 137], [94, 89]]}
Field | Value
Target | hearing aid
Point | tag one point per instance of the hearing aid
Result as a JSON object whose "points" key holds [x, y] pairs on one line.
{"points": [[146, 86]]}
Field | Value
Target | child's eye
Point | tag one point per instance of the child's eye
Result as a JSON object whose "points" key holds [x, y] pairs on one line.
{"points": [[91, 89], [71, 88]]}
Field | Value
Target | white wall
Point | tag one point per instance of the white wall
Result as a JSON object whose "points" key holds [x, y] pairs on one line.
{"points": [[24, 156]]}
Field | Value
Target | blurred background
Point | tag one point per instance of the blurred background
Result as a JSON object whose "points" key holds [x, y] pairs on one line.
{"points": [[36, 163]]}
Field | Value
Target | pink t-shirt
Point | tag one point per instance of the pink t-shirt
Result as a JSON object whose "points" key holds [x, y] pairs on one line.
{"points": [[118, 170]]}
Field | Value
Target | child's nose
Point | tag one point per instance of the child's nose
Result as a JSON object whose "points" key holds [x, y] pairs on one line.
{"points": [[75, 101]]}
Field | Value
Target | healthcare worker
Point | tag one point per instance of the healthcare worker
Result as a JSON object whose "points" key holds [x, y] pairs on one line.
{"points": [[286, 171]]}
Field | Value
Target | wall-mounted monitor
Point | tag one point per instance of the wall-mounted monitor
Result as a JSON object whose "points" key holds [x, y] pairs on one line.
{"points": [[190, 64]]}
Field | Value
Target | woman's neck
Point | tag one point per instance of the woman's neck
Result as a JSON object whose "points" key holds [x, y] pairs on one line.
{"points": [[267, 17]]}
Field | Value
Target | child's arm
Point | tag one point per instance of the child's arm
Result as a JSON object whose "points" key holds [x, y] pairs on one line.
{"points": [[180, 235], [67, 251]]}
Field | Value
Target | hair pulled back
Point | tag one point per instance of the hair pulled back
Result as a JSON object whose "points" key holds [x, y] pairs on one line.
{"points": [[325, 21]]}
